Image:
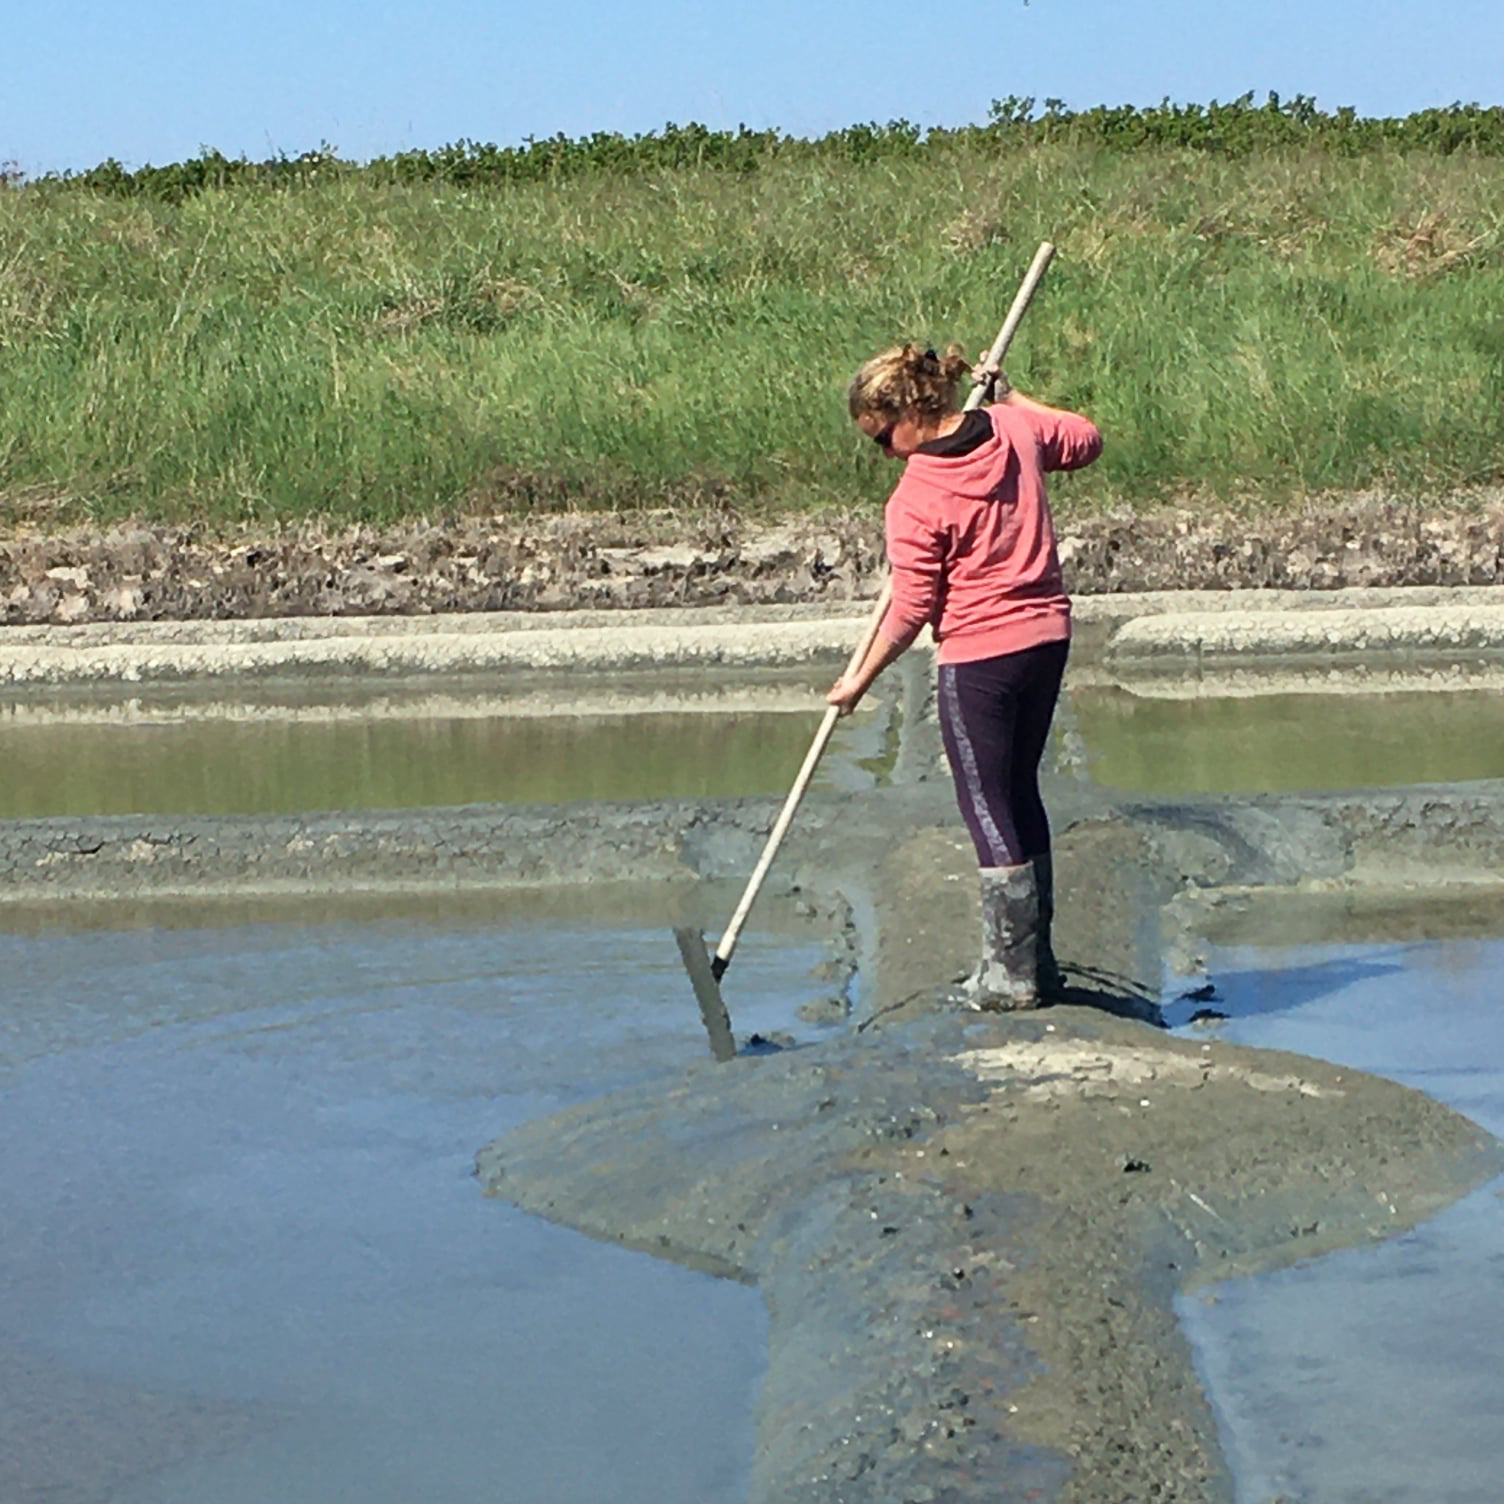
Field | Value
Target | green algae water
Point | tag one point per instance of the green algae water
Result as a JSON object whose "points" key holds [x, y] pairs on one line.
{"points": [[335, 745], [266, 758], [1284, 743], [271, 765], [285, 767]]}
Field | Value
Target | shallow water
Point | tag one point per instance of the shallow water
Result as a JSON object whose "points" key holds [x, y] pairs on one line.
{"points": [[274, 766], [274, 750], [278, 753], [1285, 742], [1373, 1375], [245, 1258]]}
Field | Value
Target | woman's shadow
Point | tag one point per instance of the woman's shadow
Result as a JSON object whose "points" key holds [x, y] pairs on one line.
{"points": [[1258, 991], [1110, 992]]}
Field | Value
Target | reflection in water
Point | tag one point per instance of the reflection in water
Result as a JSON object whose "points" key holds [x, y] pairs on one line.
{"points": [[1372, 1374], [205, 767], [1283, 743], [245, 1258], [282, 760]]}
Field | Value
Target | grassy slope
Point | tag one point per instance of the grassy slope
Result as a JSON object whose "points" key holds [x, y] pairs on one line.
{"points": [[1255, 331]]}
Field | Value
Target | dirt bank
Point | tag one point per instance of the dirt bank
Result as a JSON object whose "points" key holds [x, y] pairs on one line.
{"points": [[551, 562], [970, 1230], [969, 1236]]}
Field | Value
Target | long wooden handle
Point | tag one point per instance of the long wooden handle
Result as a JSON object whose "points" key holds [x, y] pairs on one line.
{"points": [[727, 946], [723, 951], [1032, 279]]}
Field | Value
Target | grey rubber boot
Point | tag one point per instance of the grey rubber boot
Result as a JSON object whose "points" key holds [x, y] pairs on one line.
{"points": [[1050, 978], [1007, 978]]}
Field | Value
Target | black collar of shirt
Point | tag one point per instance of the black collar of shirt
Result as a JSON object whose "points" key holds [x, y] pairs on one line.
{"points": [[975, 430]]}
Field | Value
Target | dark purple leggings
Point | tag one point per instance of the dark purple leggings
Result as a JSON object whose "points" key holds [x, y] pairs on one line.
{"points": [[995, 719]]}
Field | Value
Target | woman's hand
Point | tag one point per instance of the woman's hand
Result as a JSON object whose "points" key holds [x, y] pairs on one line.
{"points": [[858, 678], [845, 693], [985, 373]]}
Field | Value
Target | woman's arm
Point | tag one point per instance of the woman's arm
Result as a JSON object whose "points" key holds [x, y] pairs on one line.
{"points": [[849, 688], [1015, 398], [1067, 440], [916, 555]]}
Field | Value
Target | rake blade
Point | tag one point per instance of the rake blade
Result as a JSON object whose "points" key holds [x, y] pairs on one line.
{"points": [[708, 993]]}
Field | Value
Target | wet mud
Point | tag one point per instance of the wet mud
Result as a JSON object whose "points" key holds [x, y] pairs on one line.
{"points": [[969, 1235], [970, 1230]]}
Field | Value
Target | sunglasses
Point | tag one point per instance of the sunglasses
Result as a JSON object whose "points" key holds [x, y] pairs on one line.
{"points": [[884, 440]]}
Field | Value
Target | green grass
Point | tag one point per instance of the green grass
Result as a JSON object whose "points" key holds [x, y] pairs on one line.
{"points": [[1255, 331]]}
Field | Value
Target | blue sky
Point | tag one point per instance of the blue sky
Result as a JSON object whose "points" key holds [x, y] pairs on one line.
{"points": [[157, 79]]}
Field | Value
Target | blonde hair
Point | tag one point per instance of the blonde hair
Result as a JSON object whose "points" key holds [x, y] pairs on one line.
{"points": [[908, 379]]}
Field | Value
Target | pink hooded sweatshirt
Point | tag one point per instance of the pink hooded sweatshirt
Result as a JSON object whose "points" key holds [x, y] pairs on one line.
{"points": [[972, 544]]}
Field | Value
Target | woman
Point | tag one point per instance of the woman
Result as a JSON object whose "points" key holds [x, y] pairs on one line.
{"points": [[972, 549]]}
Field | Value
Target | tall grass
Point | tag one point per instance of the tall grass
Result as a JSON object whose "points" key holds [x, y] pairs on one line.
{"points": [[1257, 330]]}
